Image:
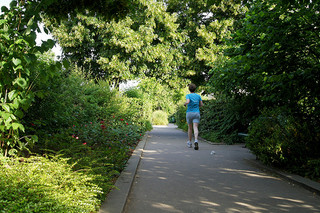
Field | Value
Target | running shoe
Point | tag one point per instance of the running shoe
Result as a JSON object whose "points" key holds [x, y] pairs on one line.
{"points": [[196, 146], [189, 144]]}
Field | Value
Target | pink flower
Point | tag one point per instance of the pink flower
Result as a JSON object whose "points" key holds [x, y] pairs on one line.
{"points": [[127, 123], [121, 119], [84, 143], [114, 116], [77, 137], [73, 136], [74, 126], [90, 122]]}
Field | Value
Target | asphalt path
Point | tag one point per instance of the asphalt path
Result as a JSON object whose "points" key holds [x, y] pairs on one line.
{"points": [[216, 178]]}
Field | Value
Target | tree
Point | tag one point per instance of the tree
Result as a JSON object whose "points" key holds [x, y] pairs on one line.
{"points": [[273, 68], [276, 57], [18, 73], [145, 42], [206, 26]]}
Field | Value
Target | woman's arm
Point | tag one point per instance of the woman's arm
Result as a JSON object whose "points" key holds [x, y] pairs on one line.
{"points": [[187, 102], [200, 104]]}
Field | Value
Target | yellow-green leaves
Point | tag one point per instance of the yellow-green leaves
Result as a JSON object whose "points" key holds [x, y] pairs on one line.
{"points": [[18, 67]]}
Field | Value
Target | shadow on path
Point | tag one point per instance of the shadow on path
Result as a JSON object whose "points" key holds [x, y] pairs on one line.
{"points": [[174, 178]]}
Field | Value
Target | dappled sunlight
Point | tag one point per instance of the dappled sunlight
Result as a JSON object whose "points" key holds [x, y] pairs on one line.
{"points": [[148, 158], [247, 173], [287, 199], [166, 207], [209, 203], [233, 210], [150, 151], [162, 178], [175, 178], [251, 207]]}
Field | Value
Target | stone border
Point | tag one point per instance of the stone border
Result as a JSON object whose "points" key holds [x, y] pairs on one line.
{"points": [[117, 198]]}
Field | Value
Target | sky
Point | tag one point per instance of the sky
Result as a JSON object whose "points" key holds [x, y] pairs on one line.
{"points": [[40, 36], [5, 3]]}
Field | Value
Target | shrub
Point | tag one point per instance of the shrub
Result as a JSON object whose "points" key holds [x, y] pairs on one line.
{"points": [[285, 141], [222, 120], [134, 93], [74, 105], [38, 184], [180, 116], [159, 118], [94, 127]]}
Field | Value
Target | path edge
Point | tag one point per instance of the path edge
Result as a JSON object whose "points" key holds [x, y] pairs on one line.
{"points": [[117, 198], [306, 183]]}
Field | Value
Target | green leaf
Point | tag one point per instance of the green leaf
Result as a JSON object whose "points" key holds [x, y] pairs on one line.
{"points": [[16, 126], [13, 94], [34, 138], [15, 104], [4, 9], [20, 67], [13, 4], [4, 115], [46, 30], [27, 59], [66, 63], [28, 31], [13, 117], [5, 28], [6, 107], [16, 61], [12, 152], [21, 82], [19, 113], [30, 22]]}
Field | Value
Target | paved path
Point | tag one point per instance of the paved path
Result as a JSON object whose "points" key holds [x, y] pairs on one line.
{"points": [[173, 178]]}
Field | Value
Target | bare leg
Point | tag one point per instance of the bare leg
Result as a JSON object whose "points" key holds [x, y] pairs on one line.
{"points": [[190, 132], [196, 131]]}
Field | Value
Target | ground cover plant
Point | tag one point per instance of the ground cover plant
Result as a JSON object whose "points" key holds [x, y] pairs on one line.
{"points": [[39, 184]]}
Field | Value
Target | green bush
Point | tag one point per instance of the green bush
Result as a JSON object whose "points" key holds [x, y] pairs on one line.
{"points": [[134, 93], [75, 106], [159, 118], [148, 125], [38, 184], [222, 120], [285, 141], [180, 116], [94, 127]]}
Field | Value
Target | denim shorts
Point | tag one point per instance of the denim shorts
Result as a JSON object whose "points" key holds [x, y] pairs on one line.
{"points": [[193, 117]]}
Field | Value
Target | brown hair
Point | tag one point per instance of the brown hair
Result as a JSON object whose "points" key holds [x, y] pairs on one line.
{"points": [[192, 87]]}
